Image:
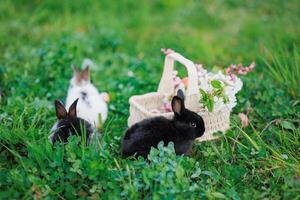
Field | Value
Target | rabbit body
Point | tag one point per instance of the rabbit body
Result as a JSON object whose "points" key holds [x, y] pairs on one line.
{"points": [[182, 130], [148, 133], [91, 104]]}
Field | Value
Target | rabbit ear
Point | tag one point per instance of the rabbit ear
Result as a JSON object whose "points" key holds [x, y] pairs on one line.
{"points": [[85, 75], [180, 94], [177, 105], [75, 68], [77, 72], [72, 109], [61, 112]]}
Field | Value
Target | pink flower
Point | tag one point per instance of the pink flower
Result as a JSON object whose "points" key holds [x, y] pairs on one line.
{"points": [[228, 70], [185, 81], [244, 119], [233, 67], [233, 77], [240, 71], [252, 66]]}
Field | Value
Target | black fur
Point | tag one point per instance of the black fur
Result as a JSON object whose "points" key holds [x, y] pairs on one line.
{"points": [[83, 95], [182, 130], [69, 124]]}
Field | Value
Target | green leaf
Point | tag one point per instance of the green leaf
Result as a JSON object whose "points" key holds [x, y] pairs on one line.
{"points": [[216, 84], [218, 195], [287, 125], [226, 99], [210, 105], [179, 172], [219, 92], [203, 94]]}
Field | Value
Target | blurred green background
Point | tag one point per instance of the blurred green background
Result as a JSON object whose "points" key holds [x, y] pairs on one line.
{"points": [[39, 40]]}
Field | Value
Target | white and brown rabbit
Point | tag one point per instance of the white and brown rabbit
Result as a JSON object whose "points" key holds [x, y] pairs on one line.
{"points": [[69, 124], [91, 105], [182, 130]]}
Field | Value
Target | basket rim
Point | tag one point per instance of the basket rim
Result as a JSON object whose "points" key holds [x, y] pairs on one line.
{"points": [[133, 102]]}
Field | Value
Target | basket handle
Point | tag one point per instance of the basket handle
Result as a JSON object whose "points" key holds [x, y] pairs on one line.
{"points": [[166, 85]]}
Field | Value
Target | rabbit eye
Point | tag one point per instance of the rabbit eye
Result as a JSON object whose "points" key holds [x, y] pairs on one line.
{"points": [[193, 124]]}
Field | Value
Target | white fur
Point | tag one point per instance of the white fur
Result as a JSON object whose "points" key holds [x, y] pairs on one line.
{"points": [[92, 106], [53, 129]]}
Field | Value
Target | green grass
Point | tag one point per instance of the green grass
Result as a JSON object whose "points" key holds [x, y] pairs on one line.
{"points": [[40, 39], [284, 68]]}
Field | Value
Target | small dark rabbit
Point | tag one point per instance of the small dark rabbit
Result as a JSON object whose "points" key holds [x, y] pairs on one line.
{"points": [[182, 130], [69, 124]]}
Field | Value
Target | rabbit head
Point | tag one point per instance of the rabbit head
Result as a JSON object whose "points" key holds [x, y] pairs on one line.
{"points": [[80, 85], [80, 78], [68, 124], [184, 118]]}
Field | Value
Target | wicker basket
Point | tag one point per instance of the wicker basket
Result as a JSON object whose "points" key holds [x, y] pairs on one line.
{"points": [[140, 105]]}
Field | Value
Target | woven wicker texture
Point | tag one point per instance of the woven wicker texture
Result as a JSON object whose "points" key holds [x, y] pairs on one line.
{"points": [[140, 105]]}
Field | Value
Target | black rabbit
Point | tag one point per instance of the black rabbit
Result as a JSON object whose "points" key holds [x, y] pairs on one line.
{"points": [[182, 130], [69, 124]]}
